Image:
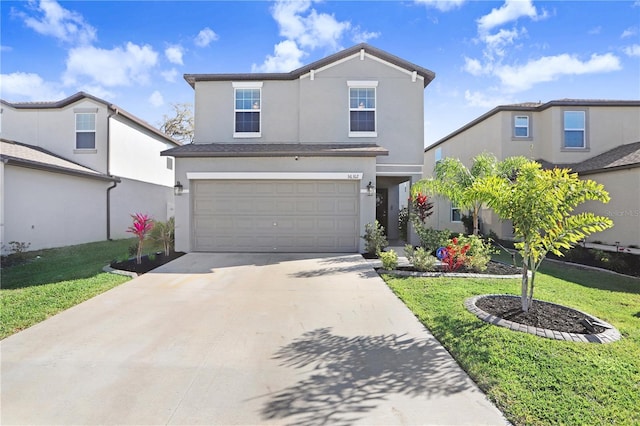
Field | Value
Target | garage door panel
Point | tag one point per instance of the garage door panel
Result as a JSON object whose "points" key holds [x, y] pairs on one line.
{"points": [[309, 216]]}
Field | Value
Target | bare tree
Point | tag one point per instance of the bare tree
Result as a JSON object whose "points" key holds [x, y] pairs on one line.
{"points": [[179, 125]]}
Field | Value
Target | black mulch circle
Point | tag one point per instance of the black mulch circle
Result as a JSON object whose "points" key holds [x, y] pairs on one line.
{"points": [[541, 314]]}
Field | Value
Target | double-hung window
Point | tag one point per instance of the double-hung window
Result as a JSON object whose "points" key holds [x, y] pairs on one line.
{"points": [[362, 108], [247, 109], [521, 126], [575, 129], [455, 214], [85, 130]]}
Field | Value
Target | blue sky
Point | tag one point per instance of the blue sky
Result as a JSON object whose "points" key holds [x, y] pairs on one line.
{"points": [[484, 53]]}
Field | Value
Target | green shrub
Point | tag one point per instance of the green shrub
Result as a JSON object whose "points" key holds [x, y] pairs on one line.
{"points": [[163, 233], [420, 258], [374, 237], [430, 239], [389, 259], [479, 253], [403, 222]]}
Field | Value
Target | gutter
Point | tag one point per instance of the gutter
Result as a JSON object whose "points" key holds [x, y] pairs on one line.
{"points": [[115, 112]]}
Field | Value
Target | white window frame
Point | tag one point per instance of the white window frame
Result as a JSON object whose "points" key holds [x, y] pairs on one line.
{"points": [[352, 84], [585, 136], [453, 208], [247, 85], [516, 126], [78, 113]]}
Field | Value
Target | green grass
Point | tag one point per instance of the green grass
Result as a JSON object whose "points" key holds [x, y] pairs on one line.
{"points": [[56, 279], [537, 381]]}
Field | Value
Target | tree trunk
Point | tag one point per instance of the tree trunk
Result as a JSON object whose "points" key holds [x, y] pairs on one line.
{"points": [[476, 229], [524, 291]]}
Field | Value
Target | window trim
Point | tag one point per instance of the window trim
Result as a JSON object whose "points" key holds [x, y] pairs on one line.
{"points": [[514, 117], [247, 85], [585, 139], [453, 207], [84, 111], [362, 84]]}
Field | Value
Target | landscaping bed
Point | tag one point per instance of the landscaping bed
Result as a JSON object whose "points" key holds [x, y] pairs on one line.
{"points": [[149, 262]]}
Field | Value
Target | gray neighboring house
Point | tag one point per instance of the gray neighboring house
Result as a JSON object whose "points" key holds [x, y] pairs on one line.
{"points": [[598, 139], [300, 161], [73, 171]]}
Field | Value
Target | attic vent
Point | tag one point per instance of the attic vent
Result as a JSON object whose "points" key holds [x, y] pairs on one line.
{"points": [[362, 54], [414, 75]]}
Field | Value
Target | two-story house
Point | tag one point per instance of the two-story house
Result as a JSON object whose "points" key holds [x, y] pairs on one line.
{"points": [[300, 161], [598, 139], [73, 171]]}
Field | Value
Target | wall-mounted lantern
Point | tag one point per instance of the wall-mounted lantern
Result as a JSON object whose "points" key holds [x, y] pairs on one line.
{"points": [[371, 190], [178, 188]]}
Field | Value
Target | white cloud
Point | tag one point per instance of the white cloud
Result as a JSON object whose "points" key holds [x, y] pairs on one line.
{"points": [[510, 11], [360, 36], [156, 99], [4, 48], [58, 22], [520, 78], [596, 30], [442, 5], [116, 67], [498, 41], [205, 37], [475, 67], [174, 54], [170, 75], [479, 99], [287, 56], [96, 90], [629, 32], [29, 87], [633, 50]]}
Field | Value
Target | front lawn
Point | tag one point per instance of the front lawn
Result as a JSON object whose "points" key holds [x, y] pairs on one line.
{"points": [[537, 381], [53, 280]]}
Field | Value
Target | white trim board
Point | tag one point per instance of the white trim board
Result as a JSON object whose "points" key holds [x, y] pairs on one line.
{"points": [[273, 176]]}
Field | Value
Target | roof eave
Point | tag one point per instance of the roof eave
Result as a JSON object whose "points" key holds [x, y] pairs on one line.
{"points": [[20, 162]]}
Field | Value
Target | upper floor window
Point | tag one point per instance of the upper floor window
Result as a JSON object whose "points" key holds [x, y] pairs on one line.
{"points": [[521, 126], [575, 129], [438, 154], [247, 109], [362, 108], [85, 130]]}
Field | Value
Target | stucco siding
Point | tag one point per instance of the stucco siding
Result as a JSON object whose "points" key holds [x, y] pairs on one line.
{"points": [[51, 209], [131, 196], [274, 165], [135, 154], [55, 130]]}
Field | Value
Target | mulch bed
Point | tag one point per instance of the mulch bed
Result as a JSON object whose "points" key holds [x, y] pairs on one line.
{"points": [[541, 314], [147, 264], [493, 268]]}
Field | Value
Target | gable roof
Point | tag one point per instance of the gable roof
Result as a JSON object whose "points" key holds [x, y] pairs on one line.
{"points": [[427, 75], [621, 157], [82, 95], [34, 157], [536, 106], [275, 150]]}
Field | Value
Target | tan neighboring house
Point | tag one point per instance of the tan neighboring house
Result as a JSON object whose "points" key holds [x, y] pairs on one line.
{"points": [[300, 161], [73, 171], [598, 139]]}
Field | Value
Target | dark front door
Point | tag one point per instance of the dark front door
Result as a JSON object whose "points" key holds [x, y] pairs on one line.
{"points": [[382, 207]]}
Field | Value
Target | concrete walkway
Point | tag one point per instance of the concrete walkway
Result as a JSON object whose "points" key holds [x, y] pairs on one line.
{"points": [[226, 339]]}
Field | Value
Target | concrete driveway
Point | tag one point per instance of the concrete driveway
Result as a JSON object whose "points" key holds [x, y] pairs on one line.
{"points": [[239, 339]]}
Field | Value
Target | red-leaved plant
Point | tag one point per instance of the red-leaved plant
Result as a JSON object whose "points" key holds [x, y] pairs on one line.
{"points": [[456, 255], [142, 224], [422, 206]]}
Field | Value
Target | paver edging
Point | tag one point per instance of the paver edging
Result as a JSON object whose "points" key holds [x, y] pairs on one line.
{"points": [[611, 334], [443, 274], [110, 270]]}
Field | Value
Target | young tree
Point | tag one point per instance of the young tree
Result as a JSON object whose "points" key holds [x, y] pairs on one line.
{"points": [[540, 204], [180, 125], [454, 180]]}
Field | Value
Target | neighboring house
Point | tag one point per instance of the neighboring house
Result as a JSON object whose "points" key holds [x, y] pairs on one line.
{"points": [[73, 171], [300, 161], [598, 139]]}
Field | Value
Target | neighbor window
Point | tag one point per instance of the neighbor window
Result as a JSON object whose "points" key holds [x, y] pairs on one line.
{"points": [[169, 163], [455, 214], [85, 131], [575, 134], [438, 155], [362, 108], [521, 126], [247, 109]]}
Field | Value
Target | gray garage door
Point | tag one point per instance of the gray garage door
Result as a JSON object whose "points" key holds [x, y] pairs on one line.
{"points": [[275, 216]]}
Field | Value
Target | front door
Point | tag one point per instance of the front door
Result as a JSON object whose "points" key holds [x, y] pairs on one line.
{"points": [[382, 207]]}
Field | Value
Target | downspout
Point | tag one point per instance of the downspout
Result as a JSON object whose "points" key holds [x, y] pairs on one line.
{"points": [[115, 111]]}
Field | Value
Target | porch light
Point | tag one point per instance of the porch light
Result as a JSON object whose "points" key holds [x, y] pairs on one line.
{"points": [[371, 190], [177, 189]]}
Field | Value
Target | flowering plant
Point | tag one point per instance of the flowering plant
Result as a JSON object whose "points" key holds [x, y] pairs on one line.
{"points": [[456, 255], [142, 224]]}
